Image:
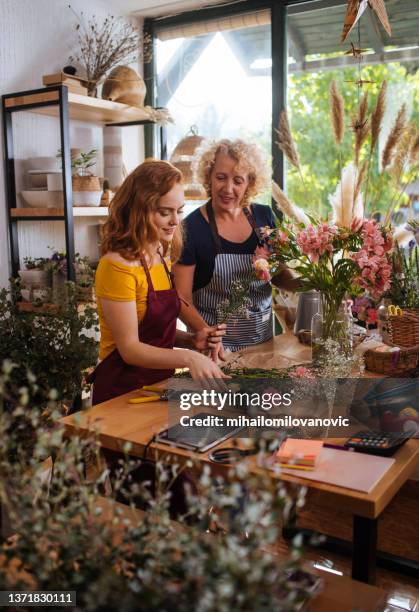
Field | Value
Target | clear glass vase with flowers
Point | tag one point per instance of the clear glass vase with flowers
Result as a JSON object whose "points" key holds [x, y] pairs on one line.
{"points": [[336, 261]]}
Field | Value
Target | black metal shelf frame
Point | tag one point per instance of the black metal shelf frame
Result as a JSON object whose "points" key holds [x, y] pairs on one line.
{"points": [[64, 119], [8, 111]]}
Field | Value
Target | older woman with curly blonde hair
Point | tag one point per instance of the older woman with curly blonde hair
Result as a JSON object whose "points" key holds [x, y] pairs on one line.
{"points": [[221, 239]]}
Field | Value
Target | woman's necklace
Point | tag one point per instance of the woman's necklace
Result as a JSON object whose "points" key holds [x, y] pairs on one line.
{"points": [[154, 256]]}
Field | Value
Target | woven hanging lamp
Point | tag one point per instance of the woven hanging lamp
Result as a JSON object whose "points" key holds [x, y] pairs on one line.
{"points": [[182, 158]]}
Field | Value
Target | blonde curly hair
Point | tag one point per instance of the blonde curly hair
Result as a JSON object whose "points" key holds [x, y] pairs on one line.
{"points": [[248, 157]]}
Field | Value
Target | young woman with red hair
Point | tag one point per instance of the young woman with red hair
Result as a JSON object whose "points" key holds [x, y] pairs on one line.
{"points": [[138, 303]]}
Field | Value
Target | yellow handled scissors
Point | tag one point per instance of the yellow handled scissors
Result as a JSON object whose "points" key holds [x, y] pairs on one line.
{"points": [[156, 397], [394, 311]]}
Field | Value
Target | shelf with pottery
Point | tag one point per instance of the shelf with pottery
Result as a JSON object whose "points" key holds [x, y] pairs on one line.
{"points": [[79, 211], [45, 200], [83, 108]]}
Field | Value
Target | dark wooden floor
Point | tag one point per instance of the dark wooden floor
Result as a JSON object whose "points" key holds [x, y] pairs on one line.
{"points": [[398, 534]]}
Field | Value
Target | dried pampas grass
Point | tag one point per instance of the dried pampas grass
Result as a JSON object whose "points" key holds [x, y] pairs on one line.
{"points": [[414, 149], [286, 142], [337, 112], [394, 138], [291, 211], [377, 116], [346, 207], [402, 155], [376, 125], [360, 179]]}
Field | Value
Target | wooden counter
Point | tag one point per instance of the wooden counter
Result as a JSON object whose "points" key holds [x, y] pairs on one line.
{"points": [[117, 422]]}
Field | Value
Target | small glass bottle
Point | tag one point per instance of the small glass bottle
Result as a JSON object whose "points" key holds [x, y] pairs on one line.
{"points": [[382, 321]]}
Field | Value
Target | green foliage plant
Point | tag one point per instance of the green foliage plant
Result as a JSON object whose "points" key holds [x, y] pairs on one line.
{"points": [[57, 347], [404, 290], [37, 263], [83, 162]]}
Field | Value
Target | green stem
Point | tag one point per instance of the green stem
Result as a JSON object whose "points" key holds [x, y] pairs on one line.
{"points": [[370, 159], [395, 201]]}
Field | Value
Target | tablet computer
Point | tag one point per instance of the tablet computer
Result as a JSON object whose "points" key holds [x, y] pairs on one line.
{"points": [[197, 438]]}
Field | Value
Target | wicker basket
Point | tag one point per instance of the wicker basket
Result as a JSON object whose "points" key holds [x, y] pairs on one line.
{"points": [[392, 363], [182, 158], [85, 183], [404, 330], [186, 147]]}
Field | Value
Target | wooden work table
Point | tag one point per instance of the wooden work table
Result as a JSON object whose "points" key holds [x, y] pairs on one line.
{"points": [[118, 422]]}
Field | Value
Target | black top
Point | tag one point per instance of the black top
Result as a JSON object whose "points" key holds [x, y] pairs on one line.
{"points": [[199, 248]]}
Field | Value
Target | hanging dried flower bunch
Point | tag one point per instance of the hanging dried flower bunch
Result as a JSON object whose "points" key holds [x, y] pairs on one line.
{"points": [[102, 45]]}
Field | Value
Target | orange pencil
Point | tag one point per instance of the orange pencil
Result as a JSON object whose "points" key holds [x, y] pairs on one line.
{"points": [[292, 466]]}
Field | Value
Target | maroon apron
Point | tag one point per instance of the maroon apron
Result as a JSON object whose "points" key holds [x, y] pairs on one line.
{"points": [[113, 377]]}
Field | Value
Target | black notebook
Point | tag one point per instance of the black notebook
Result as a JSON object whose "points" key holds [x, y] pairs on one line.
{"points": [[198, 438]]}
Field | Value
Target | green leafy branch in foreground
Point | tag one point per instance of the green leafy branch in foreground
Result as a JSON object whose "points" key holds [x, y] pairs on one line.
{"points": [[65, 538]]}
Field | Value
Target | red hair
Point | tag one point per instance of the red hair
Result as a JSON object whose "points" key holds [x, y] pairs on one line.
{"points": [[129, 229]]}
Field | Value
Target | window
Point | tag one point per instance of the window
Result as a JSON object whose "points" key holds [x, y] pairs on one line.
{"points": [[316, 58], [216, 76]]}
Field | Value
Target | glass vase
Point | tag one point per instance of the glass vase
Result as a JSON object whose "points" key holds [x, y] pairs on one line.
{"points": [[331, 330]]}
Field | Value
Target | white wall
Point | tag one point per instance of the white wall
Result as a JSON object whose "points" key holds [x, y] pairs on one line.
{"points": [[36, 38]]}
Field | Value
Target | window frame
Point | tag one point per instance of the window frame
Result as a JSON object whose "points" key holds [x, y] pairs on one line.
{"points": [[279, 53]]}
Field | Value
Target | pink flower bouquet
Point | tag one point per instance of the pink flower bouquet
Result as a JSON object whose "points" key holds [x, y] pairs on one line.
{"points": [[332, 259]]}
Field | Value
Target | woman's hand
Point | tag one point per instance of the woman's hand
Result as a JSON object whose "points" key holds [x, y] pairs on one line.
{"points": [[203, 369], [210, 339]]}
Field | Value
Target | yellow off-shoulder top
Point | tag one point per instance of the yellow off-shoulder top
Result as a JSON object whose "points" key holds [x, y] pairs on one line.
{"points": [[123, 283]]}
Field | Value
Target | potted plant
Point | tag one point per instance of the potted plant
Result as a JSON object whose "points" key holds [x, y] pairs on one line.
{"points": [[103, 45], [404, 290], [35, 279], [86, 187], [84, 278], [56, 346]]}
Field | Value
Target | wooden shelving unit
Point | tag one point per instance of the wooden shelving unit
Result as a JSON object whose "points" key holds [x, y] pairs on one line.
{"points": [[41, 309], [57, 101], [78, 211], [83, 108]]}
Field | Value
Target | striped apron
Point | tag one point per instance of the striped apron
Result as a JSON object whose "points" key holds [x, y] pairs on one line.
{"points": [[242, 331]]}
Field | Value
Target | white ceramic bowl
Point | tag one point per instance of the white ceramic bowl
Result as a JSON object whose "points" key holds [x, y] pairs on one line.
{"points": [[44, 164], [86, 198], [43, 199]]}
